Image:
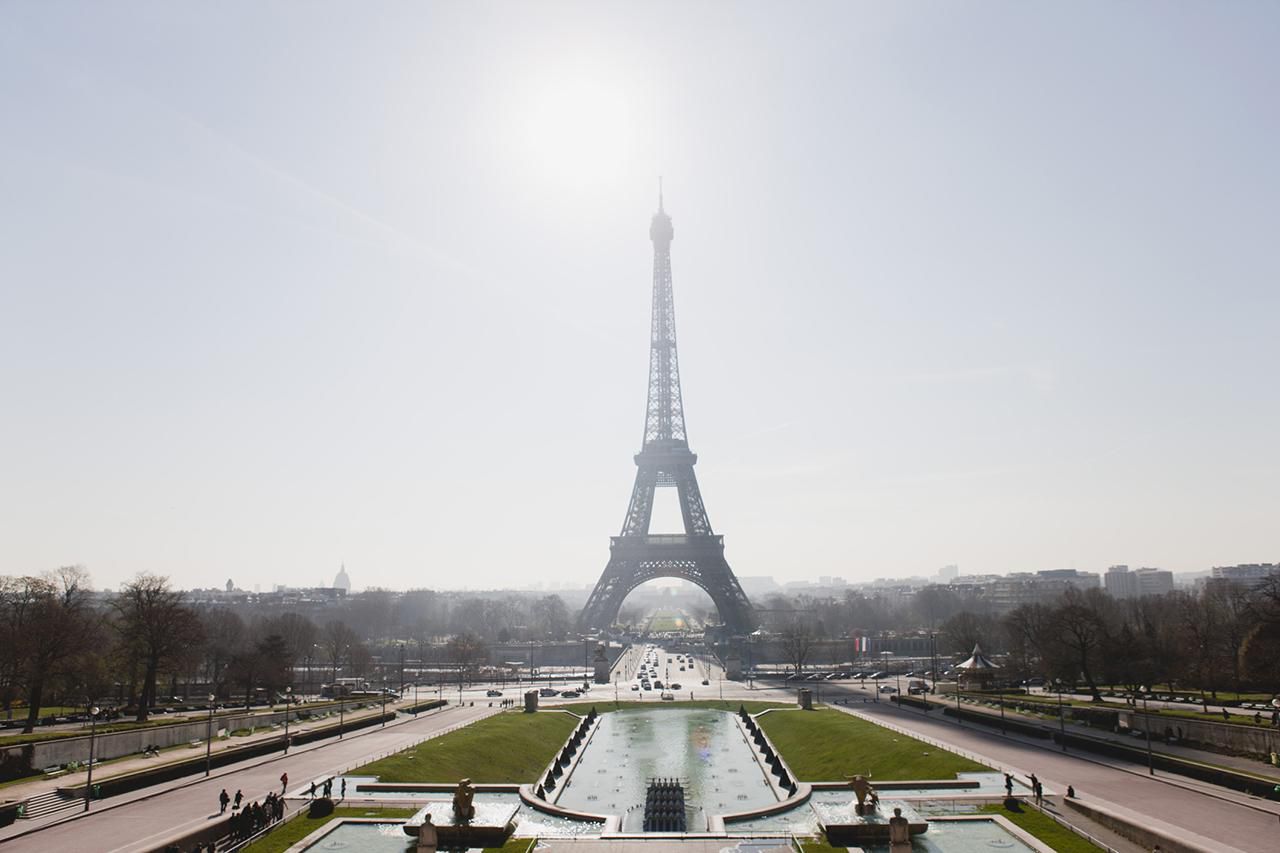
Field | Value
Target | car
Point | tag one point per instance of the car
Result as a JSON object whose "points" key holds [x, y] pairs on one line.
{"points": [[675, 687], [635, 687], [493, 693], [888, 688], [548, 691], [705, 682], [657, 684], [570, 694], [667, 697], [647, 686], [682, 669]]}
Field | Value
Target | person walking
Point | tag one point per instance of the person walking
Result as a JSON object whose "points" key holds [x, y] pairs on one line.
{"points": [[284, 782], [313, 789], [223, 799], [1038, 790], [235, 805], [1008, 784], [344, 787]]}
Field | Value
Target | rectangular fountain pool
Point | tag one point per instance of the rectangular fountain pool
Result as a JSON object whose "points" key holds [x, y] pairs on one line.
{"points": [[704, 748]]}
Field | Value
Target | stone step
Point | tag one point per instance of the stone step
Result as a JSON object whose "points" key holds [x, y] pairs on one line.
{"points": [[47, 804]]}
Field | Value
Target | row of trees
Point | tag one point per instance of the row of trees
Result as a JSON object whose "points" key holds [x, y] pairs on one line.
{"points": [[1227, 636], [146, 645], [57, 639]]}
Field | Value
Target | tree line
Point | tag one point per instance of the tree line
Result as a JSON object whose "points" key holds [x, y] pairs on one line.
{"points": [[145, 644]]}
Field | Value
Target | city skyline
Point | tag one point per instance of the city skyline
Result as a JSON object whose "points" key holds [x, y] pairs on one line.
{"points": [[1001, 308]]}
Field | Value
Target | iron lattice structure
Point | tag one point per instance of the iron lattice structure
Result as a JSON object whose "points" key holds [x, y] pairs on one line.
{"points": [[665, 461]]}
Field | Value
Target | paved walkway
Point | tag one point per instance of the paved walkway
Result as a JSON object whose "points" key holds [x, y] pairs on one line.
{"points": [[1158, 746], [146, 819], [1181, 805]]}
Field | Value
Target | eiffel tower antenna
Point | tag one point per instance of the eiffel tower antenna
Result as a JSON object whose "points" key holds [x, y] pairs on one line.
{"points": [[665, 461]]}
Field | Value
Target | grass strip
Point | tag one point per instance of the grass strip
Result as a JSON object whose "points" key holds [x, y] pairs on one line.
{"points": [[1052, 833], [298, 828], [507, 747], [825, 745]]}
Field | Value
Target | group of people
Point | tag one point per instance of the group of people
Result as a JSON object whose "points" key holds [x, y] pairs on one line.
{"points": [[326, 790], [255, 816], [1037, 788]]}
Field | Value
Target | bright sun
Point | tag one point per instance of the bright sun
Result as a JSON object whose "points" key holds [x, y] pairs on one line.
{"points": [[577, 131]]}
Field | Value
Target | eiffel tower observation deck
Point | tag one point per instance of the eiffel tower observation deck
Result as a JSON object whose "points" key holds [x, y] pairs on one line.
{"points": [[665, 461]]}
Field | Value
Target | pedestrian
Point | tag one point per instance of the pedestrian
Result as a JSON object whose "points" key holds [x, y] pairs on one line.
{"points": [[239, 799], [1226, 716], [1008, 784], [344, 787], [313, 789], [1038, 790], [284, 782], [223, 799], [1071, 793]]}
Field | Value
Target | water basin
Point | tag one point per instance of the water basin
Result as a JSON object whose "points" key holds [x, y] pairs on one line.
{"points": [[702, 747]]}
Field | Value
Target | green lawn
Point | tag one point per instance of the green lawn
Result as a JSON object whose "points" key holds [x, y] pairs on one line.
{"points": [[508, 747], [1044, 828], [301, 826], [827, 745]]}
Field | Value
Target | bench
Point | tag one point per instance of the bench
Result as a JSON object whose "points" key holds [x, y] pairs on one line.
{"points": [[53, 770]]}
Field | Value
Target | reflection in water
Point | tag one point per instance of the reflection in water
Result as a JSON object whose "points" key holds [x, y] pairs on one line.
{"points": [[704, 748]]}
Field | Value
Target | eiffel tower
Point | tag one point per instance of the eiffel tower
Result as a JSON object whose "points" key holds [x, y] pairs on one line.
{"points": [[665, 460]]}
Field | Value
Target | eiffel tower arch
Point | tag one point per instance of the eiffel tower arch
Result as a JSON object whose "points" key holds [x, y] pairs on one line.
{"points": [[665, 461]]}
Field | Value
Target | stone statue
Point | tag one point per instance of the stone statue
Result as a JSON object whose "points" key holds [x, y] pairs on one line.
{"points": [[463, 810], [428, 838], [862, 789], [899, 832]]}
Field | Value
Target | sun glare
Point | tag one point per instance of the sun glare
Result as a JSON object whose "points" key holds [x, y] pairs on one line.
{"points": [[578, 132]]}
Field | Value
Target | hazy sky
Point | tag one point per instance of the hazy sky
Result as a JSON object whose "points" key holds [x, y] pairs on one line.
{"points": [[288, 284]]}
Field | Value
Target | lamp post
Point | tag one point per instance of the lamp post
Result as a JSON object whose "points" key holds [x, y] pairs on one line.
{"points": [[1146, 725], [415, 697], [288, 700], [342, 711], [208, 738], [1000, 696], [1062, 719], [401, 686], [384, 701], [93, 730]]}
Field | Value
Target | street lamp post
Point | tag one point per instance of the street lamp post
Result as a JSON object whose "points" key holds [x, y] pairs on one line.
{"points": [[93, 730], [1001, 700], [1062, 719], [384, 701], [288, 700], [415, 697], [208, 738], [401, 687], [1146, 725], [342, 712]]}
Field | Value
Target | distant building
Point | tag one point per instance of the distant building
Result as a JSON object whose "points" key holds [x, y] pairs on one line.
{"points": [[946, 574], [1154, 581], [230, 586], [1245, 574], [1122, 583], [342, 581]]}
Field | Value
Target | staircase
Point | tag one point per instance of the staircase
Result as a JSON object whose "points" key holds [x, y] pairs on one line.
{"points": [[49, 803]]}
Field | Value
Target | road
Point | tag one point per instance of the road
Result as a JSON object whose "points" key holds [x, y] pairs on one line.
{"points": [[146, 819]]}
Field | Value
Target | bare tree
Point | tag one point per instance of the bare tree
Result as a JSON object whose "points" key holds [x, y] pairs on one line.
{"points": [[797, 641], [157, 627], [47, 622], [336, 642]]}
